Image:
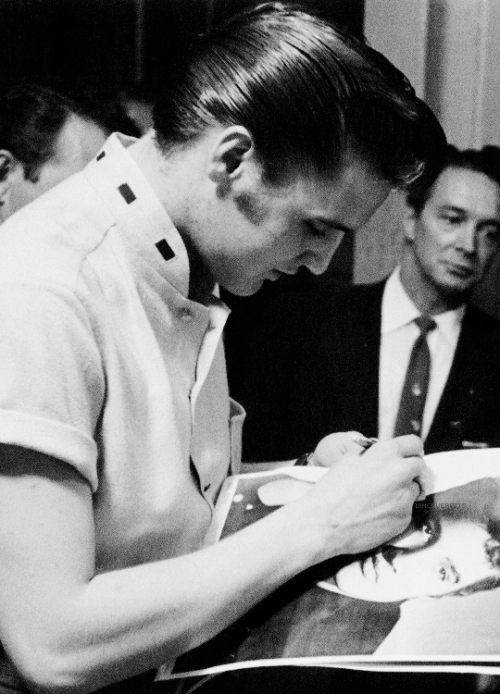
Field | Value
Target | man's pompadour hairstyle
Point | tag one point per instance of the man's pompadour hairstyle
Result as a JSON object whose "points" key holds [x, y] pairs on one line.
{"points": [[306, 90]]}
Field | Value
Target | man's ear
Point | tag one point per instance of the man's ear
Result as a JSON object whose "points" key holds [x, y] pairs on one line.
{"points": [[232, 150], [409, 221], [7, 165]]}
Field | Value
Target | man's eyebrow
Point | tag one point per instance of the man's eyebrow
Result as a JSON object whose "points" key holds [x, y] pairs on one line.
{"points": [[491, 222], [494, 221], [453, 208]]}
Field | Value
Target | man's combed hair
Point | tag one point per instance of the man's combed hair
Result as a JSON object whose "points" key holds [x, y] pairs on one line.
{"points": [[306, 90], [32, 115], [485, 161]]}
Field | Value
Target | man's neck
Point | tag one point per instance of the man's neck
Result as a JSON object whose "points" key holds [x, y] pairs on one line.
{"points": [[426, 296]]}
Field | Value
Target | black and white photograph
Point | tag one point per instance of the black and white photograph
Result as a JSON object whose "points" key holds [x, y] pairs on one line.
{"points": [[249, 346], [444, 569]]}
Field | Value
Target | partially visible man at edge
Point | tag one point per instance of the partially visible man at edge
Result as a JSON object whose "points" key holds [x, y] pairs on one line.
{"points": [[116, 426], [48, 134]]}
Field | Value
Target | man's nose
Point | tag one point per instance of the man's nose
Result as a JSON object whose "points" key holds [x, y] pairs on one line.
{"points": [[467, 238], [318, 256]]}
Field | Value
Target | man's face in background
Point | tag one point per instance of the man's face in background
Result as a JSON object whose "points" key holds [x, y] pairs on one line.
{"points": [[455, 236]]}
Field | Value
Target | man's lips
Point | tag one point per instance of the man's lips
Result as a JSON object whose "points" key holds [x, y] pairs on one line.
{"points": [[461, 270]]}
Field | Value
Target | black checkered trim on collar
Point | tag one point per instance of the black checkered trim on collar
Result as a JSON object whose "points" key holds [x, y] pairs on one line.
{"points": [[126, 192], [165, 250]]}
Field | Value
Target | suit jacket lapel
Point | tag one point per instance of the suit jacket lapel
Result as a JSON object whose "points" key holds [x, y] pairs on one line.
{"points": [[363, 345]]}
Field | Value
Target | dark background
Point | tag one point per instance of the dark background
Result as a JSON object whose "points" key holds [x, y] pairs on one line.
{"points": [[126, 47], [118, 44]]}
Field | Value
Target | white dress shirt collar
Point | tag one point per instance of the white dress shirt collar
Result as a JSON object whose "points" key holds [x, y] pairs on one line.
{"points": [[399, 310]]}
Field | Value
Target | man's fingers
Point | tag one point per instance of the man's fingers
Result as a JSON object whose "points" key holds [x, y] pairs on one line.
{"points": [[420, 489], [334, 447], [410, 466], [409, 445], [415, 464]]}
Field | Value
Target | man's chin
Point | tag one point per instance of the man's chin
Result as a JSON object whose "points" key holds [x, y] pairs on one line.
{"points": [[248, 289], [457, 289]]}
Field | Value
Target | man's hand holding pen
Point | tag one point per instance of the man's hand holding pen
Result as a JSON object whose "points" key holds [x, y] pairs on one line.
{"points": [[333, 447], [367, 496]]}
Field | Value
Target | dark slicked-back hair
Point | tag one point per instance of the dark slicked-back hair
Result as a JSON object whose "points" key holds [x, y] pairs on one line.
{"points": [[485, 161], [306, 90], [33, 114]]}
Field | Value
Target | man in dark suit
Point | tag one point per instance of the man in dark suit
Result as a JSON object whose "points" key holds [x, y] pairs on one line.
{"points": [[336, 360]]}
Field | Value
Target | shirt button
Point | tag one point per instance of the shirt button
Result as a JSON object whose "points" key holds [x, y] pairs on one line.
{"points": [[186, 314]]}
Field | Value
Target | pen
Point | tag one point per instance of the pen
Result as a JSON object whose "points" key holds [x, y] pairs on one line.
{"points": [[364, 441]]}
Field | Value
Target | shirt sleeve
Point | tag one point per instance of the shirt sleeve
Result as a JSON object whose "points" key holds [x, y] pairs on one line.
{"points": [[51, 375]]}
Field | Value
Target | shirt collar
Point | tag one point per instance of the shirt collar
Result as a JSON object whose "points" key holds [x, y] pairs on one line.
{"points": [[398, 310], [136, 208]]}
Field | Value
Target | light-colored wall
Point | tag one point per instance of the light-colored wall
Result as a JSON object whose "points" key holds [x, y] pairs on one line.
{"points": [[398, 29], [450, 51]]}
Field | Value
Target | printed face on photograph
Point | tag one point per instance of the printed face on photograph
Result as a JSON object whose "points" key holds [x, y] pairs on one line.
{"points": [[443, 557], [448, 549]]}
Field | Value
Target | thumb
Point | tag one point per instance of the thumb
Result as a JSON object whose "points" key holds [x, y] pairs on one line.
{"points": [[334, 447]]}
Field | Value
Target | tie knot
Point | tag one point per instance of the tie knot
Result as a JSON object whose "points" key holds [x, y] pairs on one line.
{"points": [[425, 324]]}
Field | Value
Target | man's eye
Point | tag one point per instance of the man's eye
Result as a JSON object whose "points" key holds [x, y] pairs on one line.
{"points": [[452, 219], [492, 234]]}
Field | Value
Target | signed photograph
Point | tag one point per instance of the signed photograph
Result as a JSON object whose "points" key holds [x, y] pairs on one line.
{"points": [[426, 598]]}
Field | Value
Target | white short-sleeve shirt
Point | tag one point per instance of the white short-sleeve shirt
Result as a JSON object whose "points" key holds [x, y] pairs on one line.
{"points": [[106, 364]]}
